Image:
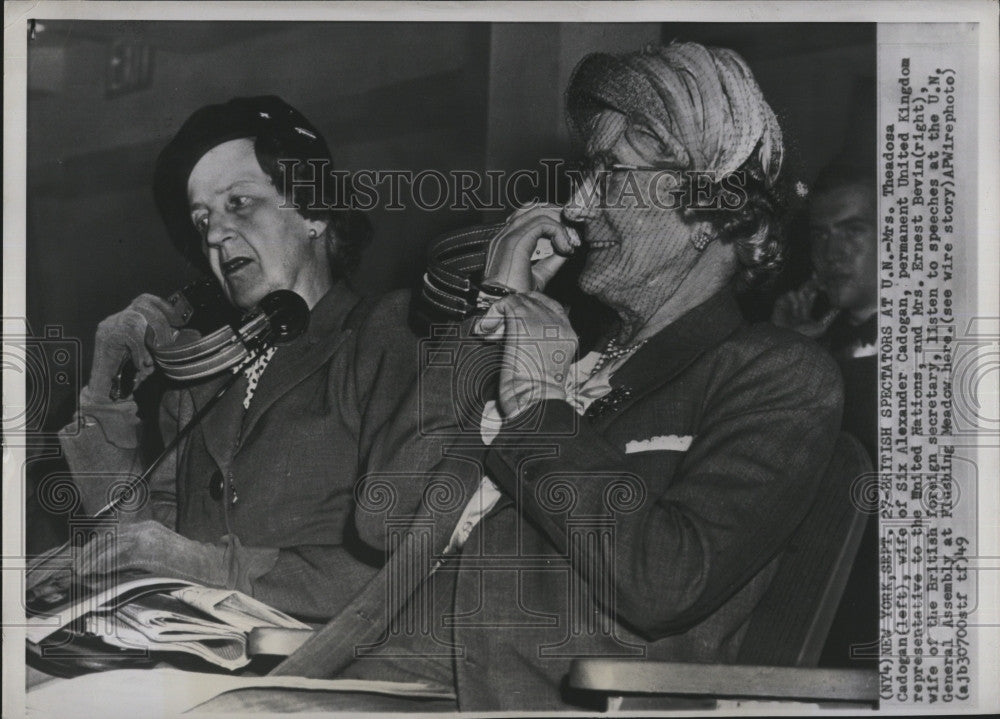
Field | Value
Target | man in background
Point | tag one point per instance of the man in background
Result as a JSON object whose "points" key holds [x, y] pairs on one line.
{"points": [[837, 307]]}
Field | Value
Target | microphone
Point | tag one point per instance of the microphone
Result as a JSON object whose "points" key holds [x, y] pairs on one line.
{"points": [[287, 316]]}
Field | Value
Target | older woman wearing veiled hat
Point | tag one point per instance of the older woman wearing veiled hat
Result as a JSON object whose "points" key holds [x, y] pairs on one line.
{"points": [[632, 502]]}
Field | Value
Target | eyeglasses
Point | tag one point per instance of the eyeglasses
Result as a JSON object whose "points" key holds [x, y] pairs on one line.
{"points": [[599, 163], [609, 179]]}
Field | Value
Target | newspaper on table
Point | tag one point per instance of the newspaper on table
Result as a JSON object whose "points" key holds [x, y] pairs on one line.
{"points": [[166, 615]]}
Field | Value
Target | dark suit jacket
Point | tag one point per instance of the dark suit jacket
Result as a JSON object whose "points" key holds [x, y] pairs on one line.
{"points": [[293, 458], [671, 507]]}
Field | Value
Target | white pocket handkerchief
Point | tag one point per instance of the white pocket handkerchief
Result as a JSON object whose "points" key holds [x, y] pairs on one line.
{"points": [[658, 444]]}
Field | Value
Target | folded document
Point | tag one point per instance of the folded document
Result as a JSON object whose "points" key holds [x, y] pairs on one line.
{"points": [[165, 615]]}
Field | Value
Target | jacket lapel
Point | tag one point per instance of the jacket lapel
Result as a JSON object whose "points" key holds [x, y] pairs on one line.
{"points": [[220, 427], [226, 424], [669, 353], [294, 362]]}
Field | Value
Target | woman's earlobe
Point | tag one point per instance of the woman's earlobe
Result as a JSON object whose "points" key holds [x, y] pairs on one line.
{"points": [[317, 229]]}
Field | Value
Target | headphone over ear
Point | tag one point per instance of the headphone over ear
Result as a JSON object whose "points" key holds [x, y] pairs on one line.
{"points": [[453, 286]]}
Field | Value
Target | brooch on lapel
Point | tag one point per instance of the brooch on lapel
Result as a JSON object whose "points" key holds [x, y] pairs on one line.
{"points": [[668, 442], [611, 402]]}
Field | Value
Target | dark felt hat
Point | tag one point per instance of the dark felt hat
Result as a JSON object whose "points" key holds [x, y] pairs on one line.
{"points": [[242, 117]]}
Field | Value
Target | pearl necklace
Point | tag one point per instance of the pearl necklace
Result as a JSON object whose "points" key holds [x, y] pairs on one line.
{"points": [[612, 351]]}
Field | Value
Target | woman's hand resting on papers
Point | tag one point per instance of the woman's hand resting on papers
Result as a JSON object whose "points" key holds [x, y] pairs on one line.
{"points": [[145, 546]]}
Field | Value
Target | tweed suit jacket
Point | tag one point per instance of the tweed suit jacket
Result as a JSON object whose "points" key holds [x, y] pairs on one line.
{"points": [[292, 458], [649, 529]]}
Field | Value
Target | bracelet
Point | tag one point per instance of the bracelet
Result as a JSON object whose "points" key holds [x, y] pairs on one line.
{"points": [[489, 295]]}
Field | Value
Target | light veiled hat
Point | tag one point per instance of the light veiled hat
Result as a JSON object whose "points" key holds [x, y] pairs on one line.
{"points": [[702, 103]]}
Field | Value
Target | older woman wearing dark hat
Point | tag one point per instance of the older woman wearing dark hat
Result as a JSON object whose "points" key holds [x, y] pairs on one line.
{"points": [[258, 496]]}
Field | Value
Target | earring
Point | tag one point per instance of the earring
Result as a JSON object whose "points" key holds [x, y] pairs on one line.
{"points": [[313, 234]]}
